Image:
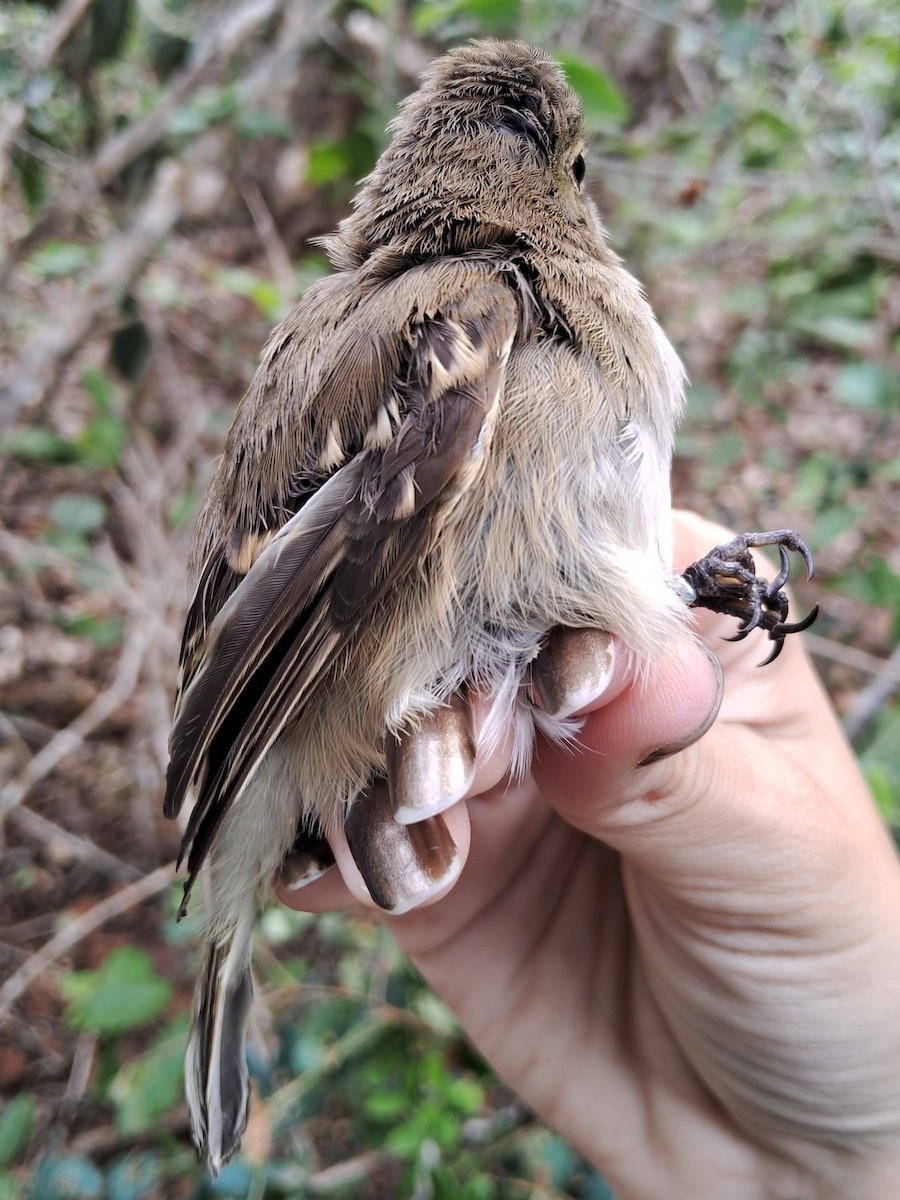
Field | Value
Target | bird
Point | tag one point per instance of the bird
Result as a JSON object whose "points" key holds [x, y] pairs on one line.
{"points": [[458, 443]]}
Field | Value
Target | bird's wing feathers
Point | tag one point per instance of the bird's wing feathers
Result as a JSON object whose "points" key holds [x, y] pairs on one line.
{"points": [[256, 647]]}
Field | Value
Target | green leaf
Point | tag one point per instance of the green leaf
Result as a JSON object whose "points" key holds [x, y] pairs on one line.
{"points": [[9, 1186], [260, 122], [100, 388], [749, 300], [888, 471], [490, 16], [765, 137], [874, 582], [207, 108], [596, 1188], [604, 105], [867, 386], [16, 1124], [728, 448], [883, 784], [182, 508], [455, 18], [880, 760], [235, 1182], [133, 1177], [386, 1106], [101, 442], [240, 281], [129, 349], [436, 1015], [109, 24], [150, 1086], [123, 994], [71, 1178], [39, 445], [465, 1095], [834, 521], [811, 481], [308, 271], [103, 632], [327, 163], [560, 1160], [846, 333], [838, 316], [77, 513], [54, 260], [32, 180]]}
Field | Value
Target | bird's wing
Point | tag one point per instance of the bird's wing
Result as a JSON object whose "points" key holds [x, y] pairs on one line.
{"points": [[281, 625]]}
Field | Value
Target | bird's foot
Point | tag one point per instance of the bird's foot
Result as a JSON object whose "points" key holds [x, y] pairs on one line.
{"points": [[726, 581]]}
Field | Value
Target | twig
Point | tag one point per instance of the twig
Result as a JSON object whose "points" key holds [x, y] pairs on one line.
{"points": [[225, 40], [46, 355], [284, 1102], [33, 825], [850, 656], [169, 21], [122, 148], [103, 1142], [66, 740], [9, 731], [67, 327], [888, 209], [276, 253], [342, 1174], [60, 28], [69, 937], [63, 24], [82, 1061], [780, 182], [19, 550], [873, 697]]}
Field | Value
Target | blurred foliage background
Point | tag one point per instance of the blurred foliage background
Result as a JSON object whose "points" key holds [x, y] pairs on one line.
{"points": [[163, 166]]}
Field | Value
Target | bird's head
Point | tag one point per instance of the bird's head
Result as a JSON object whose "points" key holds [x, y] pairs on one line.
{"points": [[487, 151]]}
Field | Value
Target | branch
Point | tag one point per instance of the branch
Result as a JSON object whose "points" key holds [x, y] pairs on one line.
{"points": [[113, 906], [856, 659], [45, 357], [873, 697], [66, 740], [274, 247], [225, 40], [40, 365], [60, 28], [33, 825]]}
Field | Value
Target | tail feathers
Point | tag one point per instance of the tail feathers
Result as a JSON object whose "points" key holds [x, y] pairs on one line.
{"points": [[216, 1080]]}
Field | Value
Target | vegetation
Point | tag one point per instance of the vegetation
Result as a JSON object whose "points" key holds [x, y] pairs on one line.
{"points": [[163, 167]]}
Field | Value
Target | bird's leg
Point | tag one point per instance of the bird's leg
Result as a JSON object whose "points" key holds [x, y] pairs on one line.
{"points": [[726, 581], [308, 858]]}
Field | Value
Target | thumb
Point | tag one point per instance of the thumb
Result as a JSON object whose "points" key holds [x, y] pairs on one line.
{"points": [[705, 818], [631, 767]]}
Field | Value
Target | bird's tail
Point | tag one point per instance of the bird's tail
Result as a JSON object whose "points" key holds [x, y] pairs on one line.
{"points": [[216, 1081]]}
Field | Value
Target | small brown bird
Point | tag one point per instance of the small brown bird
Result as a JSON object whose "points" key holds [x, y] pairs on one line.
{"points": [[456, 443]]}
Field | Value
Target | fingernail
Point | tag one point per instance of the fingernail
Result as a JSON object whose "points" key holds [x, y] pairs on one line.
{"points": [[308, 859], [432, 766], [574, 667], [402, 865], [682, 744]]}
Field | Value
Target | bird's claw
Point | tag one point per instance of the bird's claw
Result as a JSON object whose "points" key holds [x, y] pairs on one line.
{"points": [[726, 581]]}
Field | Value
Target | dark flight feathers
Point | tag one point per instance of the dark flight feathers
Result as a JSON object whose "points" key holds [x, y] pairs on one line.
{"points": [[257, 646]]}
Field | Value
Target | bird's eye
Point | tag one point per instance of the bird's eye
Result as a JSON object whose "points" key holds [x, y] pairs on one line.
{"points": [[578, 169]]}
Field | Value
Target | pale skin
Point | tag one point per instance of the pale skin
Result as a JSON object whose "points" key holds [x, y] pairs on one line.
{"points": [[691, 969]]}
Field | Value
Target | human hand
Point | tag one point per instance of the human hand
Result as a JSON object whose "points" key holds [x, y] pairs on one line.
{"points": [[691, 968]]}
